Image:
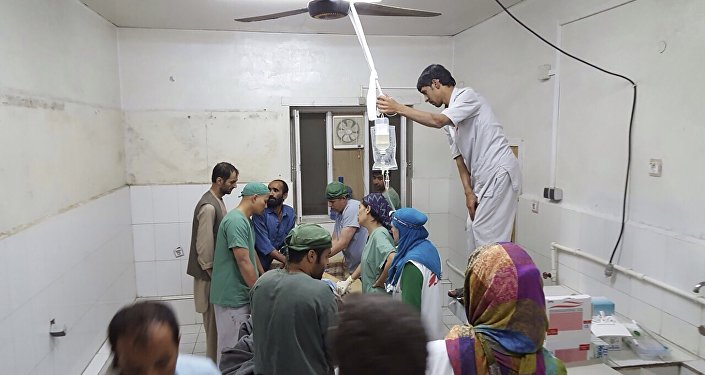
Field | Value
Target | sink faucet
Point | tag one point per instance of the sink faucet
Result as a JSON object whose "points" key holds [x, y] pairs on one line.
{"points": [[696, 288]]}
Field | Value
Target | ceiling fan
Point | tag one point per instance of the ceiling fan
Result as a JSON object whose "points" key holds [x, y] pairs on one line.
{"points": [[333, 9]]}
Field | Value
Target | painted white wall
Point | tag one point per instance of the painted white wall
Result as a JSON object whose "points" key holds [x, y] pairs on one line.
{"points": [[65, 234], [193, 98], [664, 235], [61, 140]]}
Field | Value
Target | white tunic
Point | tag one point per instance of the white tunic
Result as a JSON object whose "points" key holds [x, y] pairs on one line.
{"points": [[437, 362], [480, 139], [431, 314]]}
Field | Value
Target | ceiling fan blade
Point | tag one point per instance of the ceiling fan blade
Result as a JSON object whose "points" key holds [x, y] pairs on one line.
{"points": [[273, 15], [370, 9]]}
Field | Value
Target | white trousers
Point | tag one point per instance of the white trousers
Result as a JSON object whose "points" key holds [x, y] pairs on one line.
{"points": [[228, 321], [494, 217]]}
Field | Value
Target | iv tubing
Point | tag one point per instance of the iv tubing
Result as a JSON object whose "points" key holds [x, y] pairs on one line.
{"points": [[363, 42]]}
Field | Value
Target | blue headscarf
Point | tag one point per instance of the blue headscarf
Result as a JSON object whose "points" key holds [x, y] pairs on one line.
{"points": [[413, 244]]}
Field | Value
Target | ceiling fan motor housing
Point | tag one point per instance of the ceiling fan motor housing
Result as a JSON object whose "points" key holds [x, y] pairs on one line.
{"points": [[328, 9]]}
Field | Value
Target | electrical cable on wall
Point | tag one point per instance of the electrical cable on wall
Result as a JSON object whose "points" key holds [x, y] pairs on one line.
{"points": [[610, 268]]}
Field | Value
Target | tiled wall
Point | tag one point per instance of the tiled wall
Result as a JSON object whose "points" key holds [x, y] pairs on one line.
{"points": [[673, 258], [76, 267], [162, 217], [161, 221]]}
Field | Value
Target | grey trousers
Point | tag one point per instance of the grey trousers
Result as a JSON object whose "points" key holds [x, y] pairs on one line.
{"points": [[494, 217], [228, 321], [201, 297]]}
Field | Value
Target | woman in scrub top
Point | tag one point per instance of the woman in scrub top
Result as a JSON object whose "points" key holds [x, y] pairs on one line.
{"points": [[378, 252]]}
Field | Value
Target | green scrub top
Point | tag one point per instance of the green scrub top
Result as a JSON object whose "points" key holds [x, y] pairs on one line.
{"points": [[378, 247]]}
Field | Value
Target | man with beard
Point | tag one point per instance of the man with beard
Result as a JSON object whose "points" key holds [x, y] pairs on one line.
{"points": [[273, 225], [207, 216], [390, 194], [292, 310]]}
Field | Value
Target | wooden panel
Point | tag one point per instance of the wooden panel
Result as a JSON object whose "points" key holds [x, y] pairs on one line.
{"points": [[349, 163]]}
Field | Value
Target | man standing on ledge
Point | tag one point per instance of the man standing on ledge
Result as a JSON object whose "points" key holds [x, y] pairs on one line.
{"points": [[488, 169]]}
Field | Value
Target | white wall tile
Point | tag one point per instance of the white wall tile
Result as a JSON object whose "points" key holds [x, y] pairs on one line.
{"points": [[143, 242], [420, 195], [649, 253], [686, 261], [43, 283], [7, 346], [185, 237], [647, 315], [437, 227], [166, 239], [438, 196], [685, 310], [189, 195], [5, 309], [185, 310], [141, 204], [20, 289], [684, 334], [165, 200], [146, 276], [23, 336], [186, 279], [168, 277], [443, 253]]}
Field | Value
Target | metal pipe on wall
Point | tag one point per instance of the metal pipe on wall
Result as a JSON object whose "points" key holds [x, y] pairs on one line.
{"points": [[556, 248]]}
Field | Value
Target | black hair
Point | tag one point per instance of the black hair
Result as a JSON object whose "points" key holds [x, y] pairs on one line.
{"points": [[376, 173], [370, 325], [297, 256], [285, 186], [223, 170], [375, 215], [435, 71], [137, 319]]}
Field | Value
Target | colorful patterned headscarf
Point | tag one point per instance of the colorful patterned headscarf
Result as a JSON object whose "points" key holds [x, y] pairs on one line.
{"points": [[378, 203], [506, 309]]}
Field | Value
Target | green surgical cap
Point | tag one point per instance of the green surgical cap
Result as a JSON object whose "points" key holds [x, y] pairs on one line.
{"points": [[254, 188], [308, 236], [336, 190]]}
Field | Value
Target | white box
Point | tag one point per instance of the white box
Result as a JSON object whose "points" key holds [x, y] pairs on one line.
{"points": [[569, 319]]}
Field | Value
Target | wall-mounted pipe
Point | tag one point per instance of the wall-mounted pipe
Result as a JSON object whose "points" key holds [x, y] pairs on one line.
{"points": [[555, 248]]}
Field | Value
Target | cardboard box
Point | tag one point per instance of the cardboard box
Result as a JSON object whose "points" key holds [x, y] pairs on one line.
{"points": [[569, 319], [599, 349]]}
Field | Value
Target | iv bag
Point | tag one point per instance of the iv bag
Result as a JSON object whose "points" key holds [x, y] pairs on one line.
{"points": [[384, 159]]}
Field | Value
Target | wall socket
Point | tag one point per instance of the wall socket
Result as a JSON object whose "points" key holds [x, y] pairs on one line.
{"points": [[535, 206], [655, 166]]}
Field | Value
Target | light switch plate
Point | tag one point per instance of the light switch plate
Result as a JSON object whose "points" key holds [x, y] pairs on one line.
{"points": [[655, 166]]}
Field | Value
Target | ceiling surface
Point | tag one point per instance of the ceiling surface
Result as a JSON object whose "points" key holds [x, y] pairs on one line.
{"points": [[457, 15]]}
